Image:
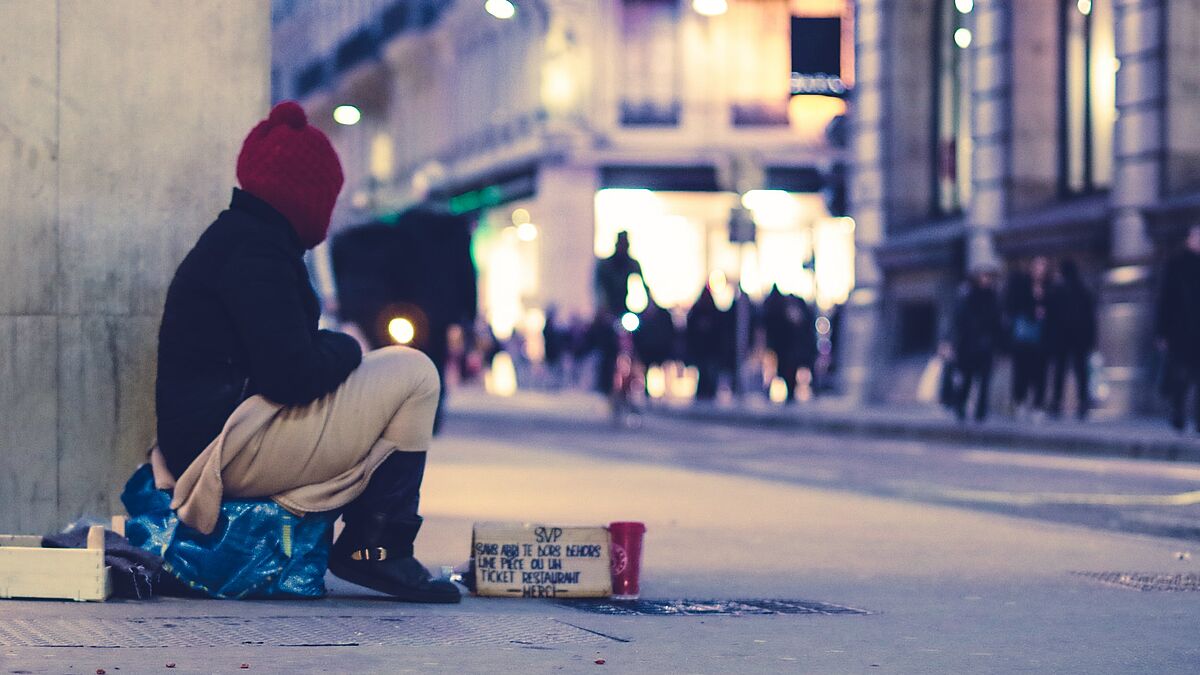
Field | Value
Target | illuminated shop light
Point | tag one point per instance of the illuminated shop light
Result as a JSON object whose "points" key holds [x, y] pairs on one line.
{"points": [[636, 299], [962, 37], [630, 321], [1085, 7], [501, 378], [402, 330], [778, 390], [723, 293], [527, 232], [656, 382], [773, 209], [346, 115], [501, 9], [520, 217], [964, 6], [710, 7]]}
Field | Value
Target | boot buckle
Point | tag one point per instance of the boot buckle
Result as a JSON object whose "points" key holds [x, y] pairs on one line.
{"points": [[375, 554]]}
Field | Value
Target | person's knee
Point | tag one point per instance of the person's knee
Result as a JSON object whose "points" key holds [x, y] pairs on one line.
{"points": [[414, 366]]}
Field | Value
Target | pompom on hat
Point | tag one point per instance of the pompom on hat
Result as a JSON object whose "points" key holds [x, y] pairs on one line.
{"points": [[293, 167]]}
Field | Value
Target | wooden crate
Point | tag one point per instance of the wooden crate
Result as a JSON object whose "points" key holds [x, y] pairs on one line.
{"points": [[29, 571]]}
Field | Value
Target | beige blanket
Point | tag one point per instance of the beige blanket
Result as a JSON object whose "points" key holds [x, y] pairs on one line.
{"points": [[316, 457]]}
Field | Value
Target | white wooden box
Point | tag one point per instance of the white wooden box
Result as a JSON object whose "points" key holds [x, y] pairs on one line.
{"points": [[29, 571]]}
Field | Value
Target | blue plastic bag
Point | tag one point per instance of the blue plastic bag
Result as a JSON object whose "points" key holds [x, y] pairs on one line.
{"points": [[257, 550]]}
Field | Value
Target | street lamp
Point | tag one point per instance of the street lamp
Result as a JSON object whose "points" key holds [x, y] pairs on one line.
{"points": [[501, 9], [346, 115], [710, 7]]}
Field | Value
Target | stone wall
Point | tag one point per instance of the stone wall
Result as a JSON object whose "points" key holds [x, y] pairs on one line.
{"points": [[119, 130]]}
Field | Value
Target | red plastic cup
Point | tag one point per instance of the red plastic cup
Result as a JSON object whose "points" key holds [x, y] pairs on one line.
{"points": [[626, 549]]}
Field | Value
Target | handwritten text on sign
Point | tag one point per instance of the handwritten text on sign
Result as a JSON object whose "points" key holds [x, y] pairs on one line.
{"points": [[541, 561]]}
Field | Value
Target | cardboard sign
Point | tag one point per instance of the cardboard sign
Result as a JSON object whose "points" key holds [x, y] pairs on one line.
{"points": [[541, 561]]}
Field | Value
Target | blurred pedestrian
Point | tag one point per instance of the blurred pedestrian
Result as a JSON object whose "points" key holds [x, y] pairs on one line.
{"points": [[555, 344], [977, 331], [655, 337], [611, 283], [1177, 328], [1026, 297], [1071, 336], [835, 347], [790, 328], [733, 350], [704, 349]]}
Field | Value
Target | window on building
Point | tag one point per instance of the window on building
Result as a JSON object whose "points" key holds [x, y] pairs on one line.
{"points": [[1183, 97], [1087, 98], [953, 34], [822, 65], [918, 328], [650, 63]]}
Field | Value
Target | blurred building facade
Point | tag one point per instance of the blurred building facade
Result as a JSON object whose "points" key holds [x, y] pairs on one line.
{"points": [[990, 131], [575, 119]]}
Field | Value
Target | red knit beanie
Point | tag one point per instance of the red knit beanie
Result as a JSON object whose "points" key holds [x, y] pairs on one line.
{"points": [[293, 167]]}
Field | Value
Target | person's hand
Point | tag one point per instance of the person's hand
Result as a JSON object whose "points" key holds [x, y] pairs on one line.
{"points": [[163, 480], [946, 351], [350, 328]]}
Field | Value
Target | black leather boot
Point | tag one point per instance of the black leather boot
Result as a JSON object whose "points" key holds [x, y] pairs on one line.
{"points": [[377, 552], [376, 547]]}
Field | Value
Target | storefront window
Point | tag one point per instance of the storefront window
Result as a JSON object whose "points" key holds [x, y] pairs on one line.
{"points": [[952, 114], [1088, 95], [667, 235], [682, 241], [650, 63], [1183, 97], [505, 248]]}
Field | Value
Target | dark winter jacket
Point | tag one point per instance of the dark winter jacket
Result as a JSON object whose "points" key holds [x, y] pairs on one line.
{"points": [[612, 282], [241, 319], [1070, 318], [655, 337], [703, 332], [1025, 311], [977, 326], [1178, 309], [790, 326]]}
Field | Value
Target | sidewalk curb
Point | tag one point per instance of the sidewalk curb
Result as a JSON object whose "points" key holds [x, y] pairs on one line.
{"points": [[1095, 441], [1047, 437]]}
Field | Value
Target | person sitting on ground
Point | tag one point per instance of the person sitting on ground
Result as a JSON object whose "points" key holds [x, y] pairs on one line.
{"points": [[254, 401]]}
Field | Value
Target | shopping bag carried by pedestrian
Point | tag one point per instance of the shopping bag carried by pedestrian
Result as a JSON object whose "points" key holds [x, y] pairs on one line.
{"points": [[1026, 331], [932, 377], [258, 549], [951, 385]]}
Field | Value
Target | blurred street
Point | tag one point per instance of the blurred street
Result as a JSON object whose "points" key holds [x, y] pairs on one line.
{"points": [[731, 515], [1148, 496]]}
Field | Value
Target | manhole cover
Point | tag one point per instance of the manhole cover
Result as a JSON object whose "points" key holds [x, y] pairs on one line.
{"points": [[1143, 581], [292, 631], [707, 607]]}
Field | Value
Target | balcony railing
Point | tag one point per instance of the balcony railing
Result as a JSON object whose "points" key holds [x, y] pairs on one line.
{"points": [[650, 113], [760, 114]]}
